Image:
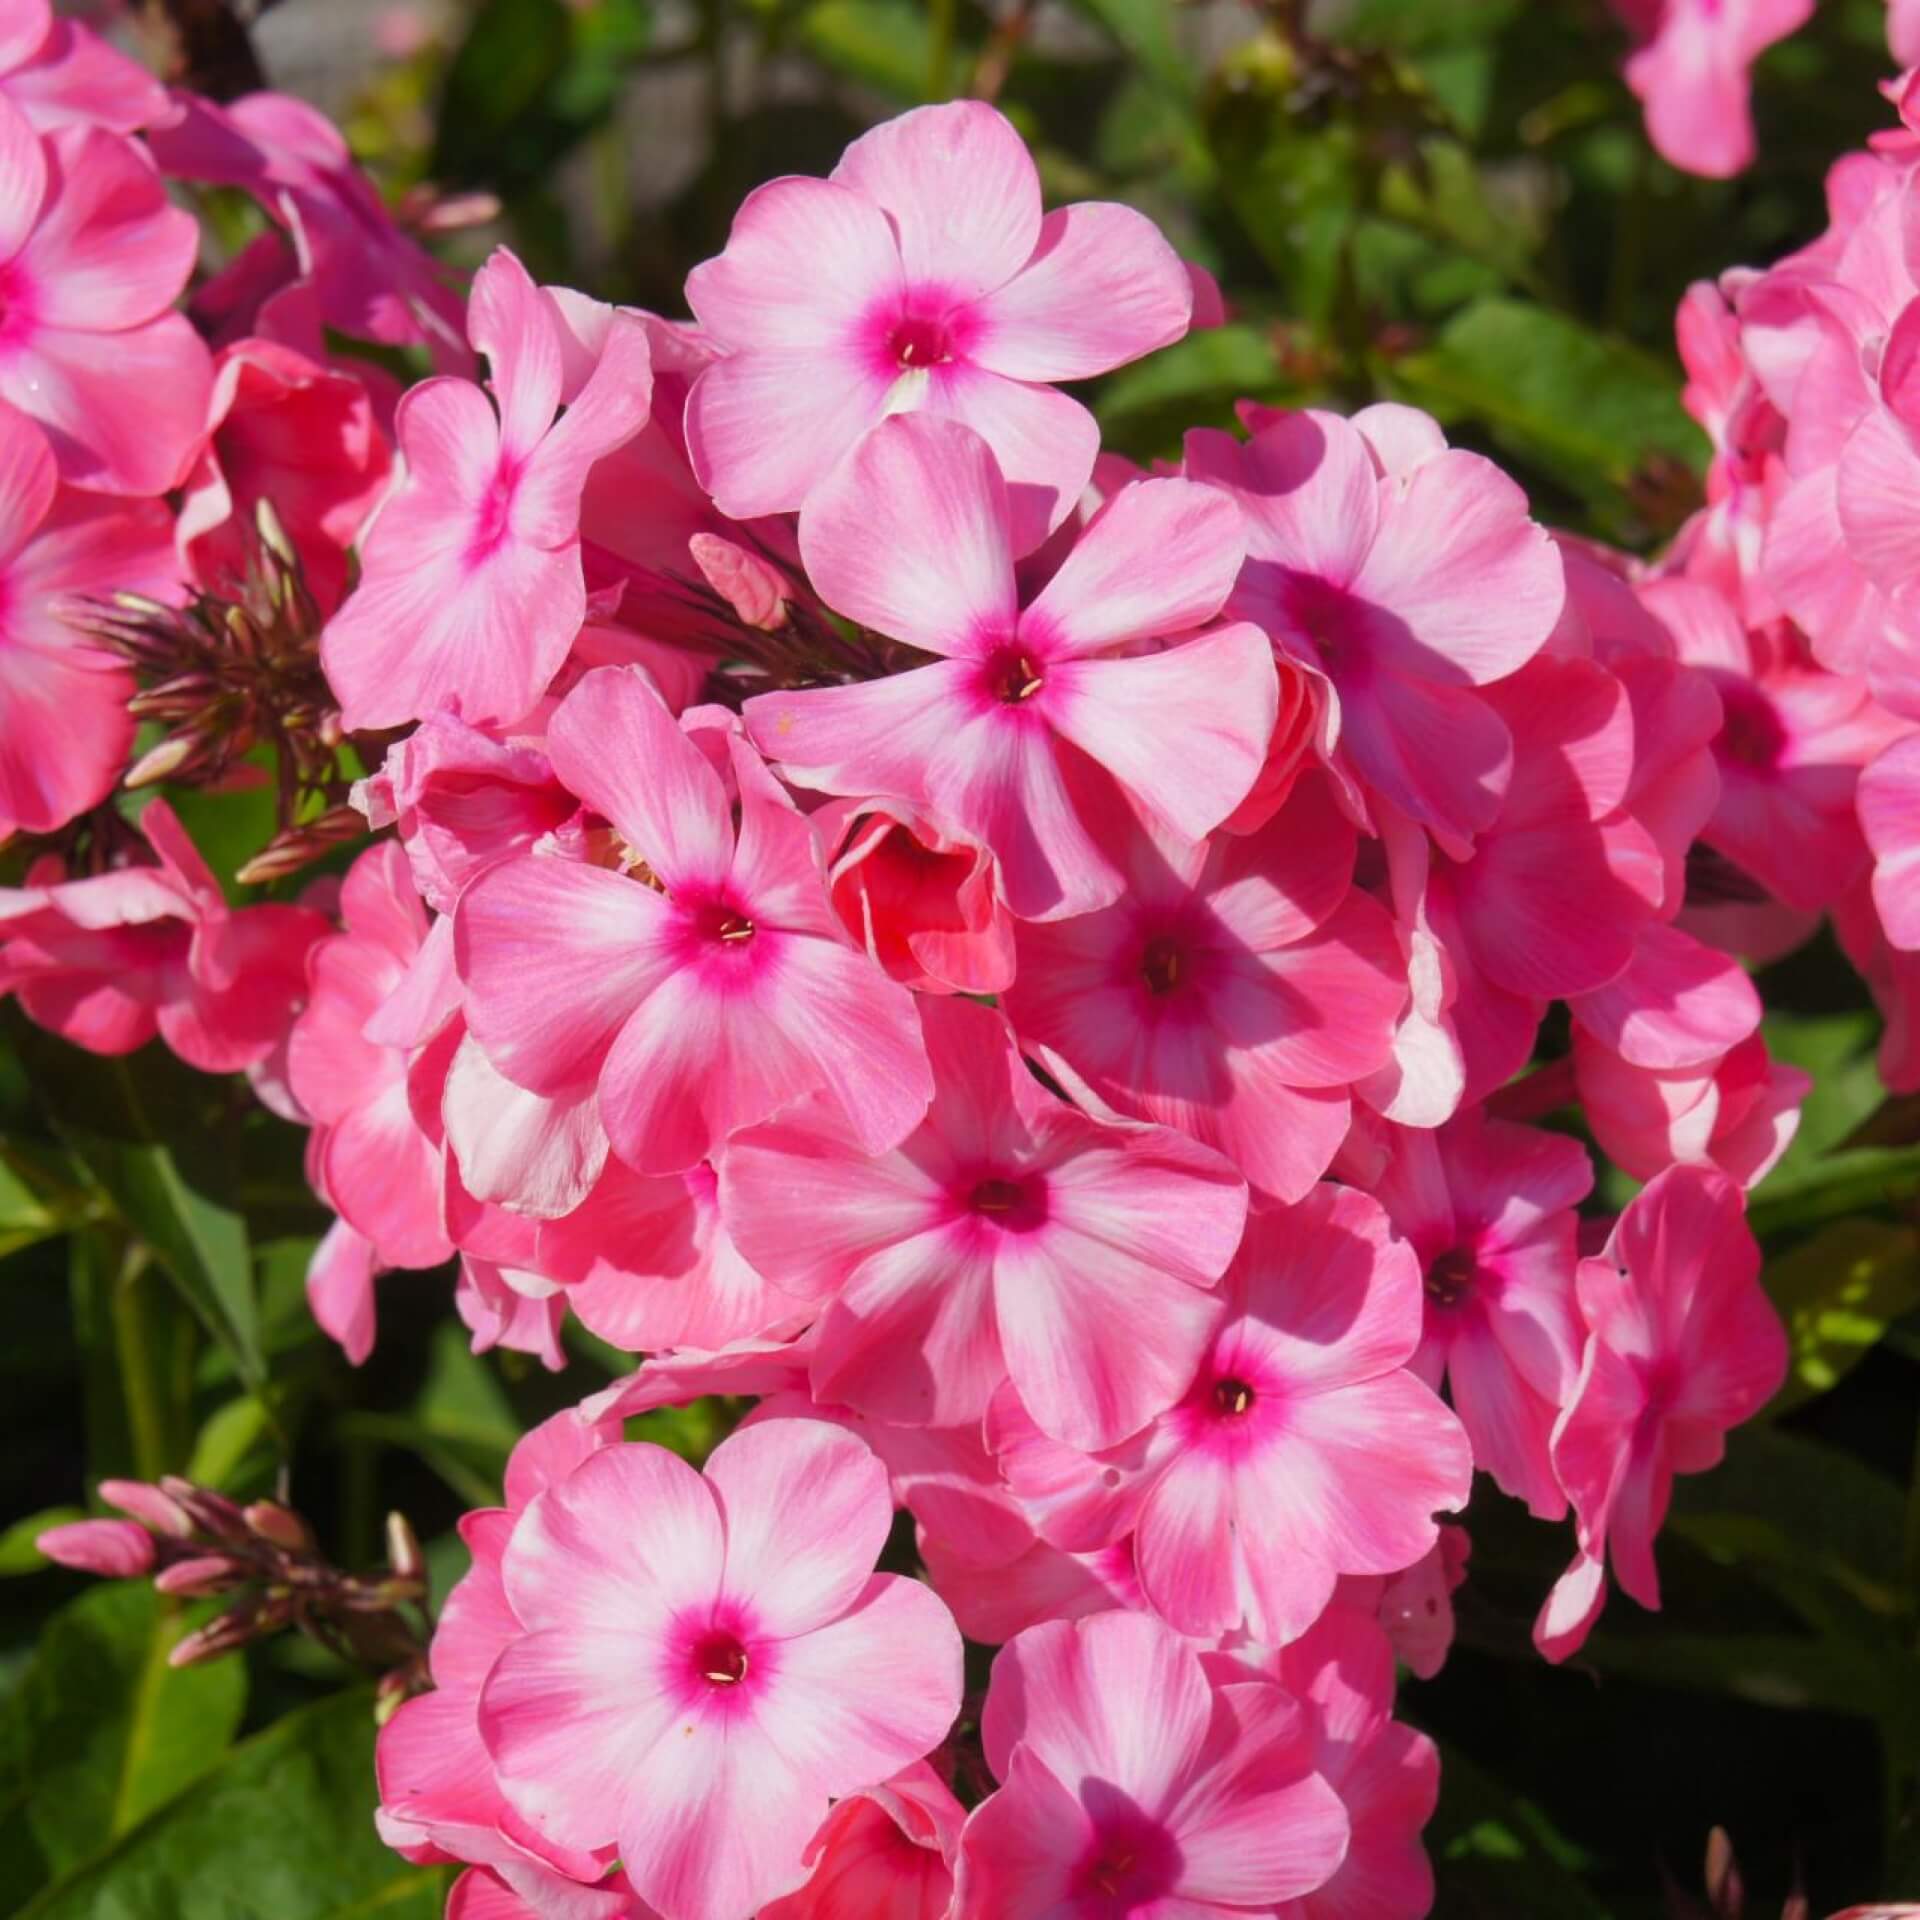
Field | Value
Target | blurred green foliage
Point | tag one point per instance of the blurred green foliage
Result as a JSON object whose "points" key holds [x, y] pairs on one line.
{"points": [[1443, 201]]}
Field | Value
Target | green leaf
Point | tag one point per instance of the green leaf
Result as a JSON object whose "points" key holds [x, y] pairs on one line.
{"points": [[202, 1244], [1838, 1292], [1588, 410], [1193, 383], [883, 44], [281, 1830], [18, 1554], [227, 1442], [102, 1732]]}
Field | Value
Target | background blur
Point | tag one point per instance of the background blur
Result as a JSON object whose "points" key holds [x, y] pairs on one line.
{"points": [[1444, 201]]}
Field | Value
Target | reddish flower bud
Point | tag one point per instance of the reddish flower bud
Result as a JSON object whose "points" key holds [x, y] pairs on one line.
{"points": [[205, 1573], [117, 1549], [148, 1505]]}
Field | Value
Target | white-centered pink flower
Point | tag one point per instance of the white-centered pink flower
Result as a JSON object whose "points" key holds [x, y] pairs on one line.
{"points": [[1010, 1235], [471, 588], [1304, 1449], [1036, 727], [91, 259], [62, 74], [705, 984], [1130, 1784], [707, 1660], [922, 276], [1410, 574], [1236, 990], [1488, 1208]]}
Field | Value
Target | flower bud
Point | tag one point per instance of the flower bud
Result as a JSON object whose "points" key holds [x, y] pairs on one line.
{"points": [[161, 761], [403, 1549], [212, 1512], [205, 1573], [118, 1549], [280, 1527], [742, 579], [147, 1504]]}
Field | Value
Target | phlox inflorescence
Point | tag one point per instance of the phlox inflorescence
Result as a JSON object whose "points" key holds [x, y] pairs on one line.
{"points": [[1021, 966]]}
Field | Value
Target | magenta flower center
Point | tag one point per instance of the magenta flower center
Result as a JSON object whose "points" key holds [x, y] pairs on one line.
{"points": [[1132, 1863], [1233, 1398], [720, 1660], [1017, 1206], [919, 340], [1751, 732], [1013, 677], [1162, 965], [725, 925], [1450, 1278], [495, 513]]}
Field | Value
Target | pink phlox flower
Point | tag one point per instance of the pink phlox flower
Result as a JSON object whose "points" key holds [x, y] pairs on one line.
{"points": [[1488, 1208], [91, 258], [1889, 803], [62, 74], [64, 727], [471, 589], [110, 960], [379, 1169], [1683, 1345], [1130, 1784], [372, 280], [300, 437], [1893, 976], [922, 276], [1011, 1234], [1305, 1447], [1236, 990], [994, 1603], [1414, 1609], [763, 1667], [704, 984], [775, 1363], [1035, 729], [885, 1853], [1690, 71], [1406, 571]]}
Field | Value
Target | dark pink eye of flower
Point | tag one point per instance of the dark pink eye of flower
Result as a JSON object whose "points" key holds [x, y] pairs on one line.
{"points": [[1013, 677], [724, 924], [918, 340], [1161, 965], [1233, 1397], [720, 1660], [1132, 1866], [1751, 732], [1450, 1278]]}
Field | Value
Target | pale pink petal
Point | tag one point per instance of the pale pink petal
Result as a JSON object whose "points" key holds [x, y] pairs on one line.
{"points": [[1568, 1614], [1045, 442], [806, 1511], [340, 1280], [909, 535], [23, 178], [1102, 288], [556, 956], [509, 322], [959, 187], [1159, 558], [1187, 1547], [537, 1154], [1677, 1004]]}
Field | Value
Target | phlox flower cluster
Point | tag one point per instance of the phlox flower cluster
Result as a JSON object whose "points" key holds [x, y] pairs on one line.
{"points": [[1023, 967]]}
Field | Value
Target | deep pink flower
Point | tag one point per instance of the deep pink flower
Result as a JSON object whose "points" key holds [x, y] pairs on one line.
{"points": [[1488, 1209], [340, 1290], [462, 801], [1683, 1344], [993, 1603], [91, 257], [372, 282], [925, 905], [1409, 573], [1129, 1784], [1010, 1235], [1387, 1775], [1415, 1608], [1790, 749], [921, 276], [1304, 1449], [1235, 990], [110, 960], [471, 590], [1690, 72], [1889, 803], [379, 1170], [706, 1660], [1736, 1110], [61, 74], [299, 436], [704, 986], [1036, 726], [885, 1853], [64, 726]]}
